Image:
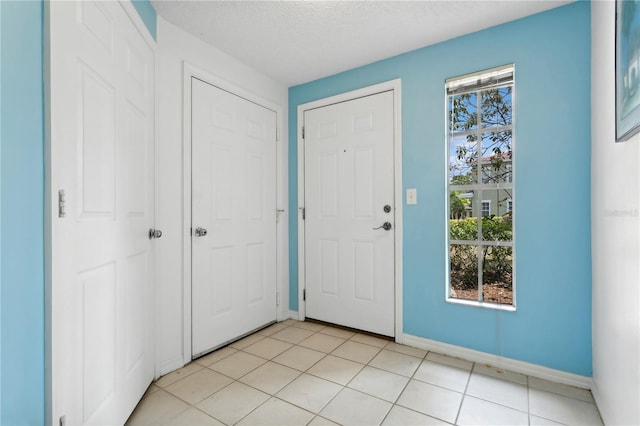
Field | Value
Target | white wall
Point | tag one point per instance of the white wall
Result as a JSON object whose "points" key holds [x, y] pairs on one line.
{"points": [[175, 46], [615, 238]]}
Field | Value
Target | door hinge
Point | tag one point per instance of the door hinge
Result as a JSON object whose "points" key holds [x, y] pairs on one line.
{"points": [[63, 420], [154, 233], [62, 203], [304, 213], [277, 134], [304, 294], [302, 132], [277, 299]]}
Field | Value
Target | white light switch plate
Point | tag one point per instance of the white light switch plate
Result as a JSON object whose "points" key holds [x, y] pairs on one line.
{"points": [[412, 196]]}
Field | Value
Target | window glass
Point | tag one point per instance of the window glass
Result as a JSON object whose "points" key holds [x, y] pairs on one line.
{"points": [[486, 208], [480, 186]]}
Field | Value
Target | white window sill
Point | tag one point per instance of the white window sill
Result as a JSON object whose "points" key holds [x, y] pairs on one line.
{"points": [[486, 305]]}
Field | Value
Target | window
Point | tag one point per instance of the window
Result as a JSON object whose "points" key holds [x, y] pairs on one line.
{"points": [[480, 187], [486, 208]]}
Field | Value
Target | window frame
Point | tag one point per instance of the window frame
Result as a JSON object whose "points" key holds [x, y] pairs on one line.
{"points": [[509, 167], [482, 209], [508, 183]]}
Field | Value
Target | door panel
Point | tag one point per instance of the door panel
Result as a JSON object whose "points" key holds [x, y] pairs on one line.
{"points": [[101, 109], [234, 199], [97, 143], [349, 178], [98, 287]]}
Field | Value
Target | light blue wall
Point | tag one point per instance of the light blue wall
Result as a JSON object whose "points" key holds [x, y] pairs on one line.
{"points": [[147, 13], [22, 220], [0, 214], [551, 53], [22, 355]]}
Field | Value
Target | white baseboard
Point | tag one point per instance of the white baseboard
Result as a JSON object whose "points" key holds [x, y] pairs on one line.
{"points": [[293, 315], [603, 408], [508, 364]]}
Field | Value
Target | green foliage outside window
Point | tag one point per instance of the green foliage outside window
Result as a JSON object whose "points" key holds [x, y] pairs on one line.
{"points": [[496, 260]]}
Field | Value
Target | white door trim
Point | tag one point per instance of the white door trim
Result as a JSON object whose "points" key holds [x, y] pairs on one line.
{"points": [[138, 22], [190, 71], [396, 87]]}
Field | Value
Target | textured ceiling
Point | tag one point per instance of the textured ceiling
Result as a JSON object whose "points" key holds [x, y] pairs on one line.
{"points": [[294, 42]]}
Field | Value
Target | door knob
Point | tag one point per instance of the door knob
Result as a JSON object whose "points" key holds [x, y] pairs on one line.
{"points": [[200, 232], [154, 233], [386, 226]]}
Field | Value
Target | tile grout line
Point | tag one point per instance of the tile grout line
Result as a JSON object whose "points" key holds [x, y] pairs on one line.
{"points": [[301, 373], [464, 394], [345, 386], [380, 349], [322, 378], [395, 402], [560, 392], [233, 380]]}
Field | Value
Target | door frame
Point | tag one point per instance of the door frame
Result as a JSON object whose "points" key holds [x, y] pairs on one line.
{"points": [[396, 87], [190, 71]]}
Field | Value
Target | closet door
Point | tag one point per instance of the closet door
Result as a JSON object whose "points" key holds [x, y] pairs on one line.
{"points": [[233, 216], [101, 119]]}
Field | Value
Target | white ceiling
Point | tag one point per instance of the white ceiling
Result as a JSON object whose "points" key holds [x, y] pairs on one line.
{"points": [[295, 42]]}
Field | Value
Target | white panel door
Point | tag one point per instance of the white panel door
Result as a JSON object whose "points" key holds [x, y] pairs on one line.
{"points": [[349, 179], [101, 118], [234, 200]]}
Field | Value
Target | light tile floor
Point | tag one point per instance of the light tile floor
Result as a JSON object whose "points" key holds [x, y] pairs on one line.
{"points": [[303, 373]]}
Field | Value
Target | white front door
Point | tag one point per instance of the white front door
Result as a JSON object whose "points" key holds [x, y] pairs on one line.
{"points": [[349, 197], [101, 123], [233, 216]]}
